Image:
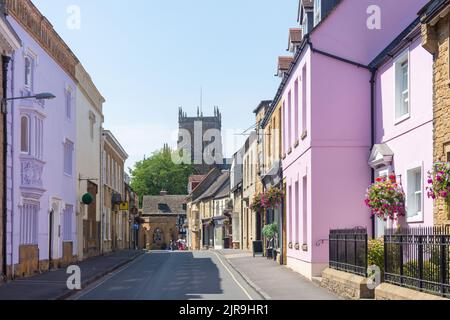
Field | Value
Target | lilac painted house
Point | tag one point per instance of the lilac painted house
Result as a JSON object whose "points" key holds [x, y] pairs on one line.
{"points": [[41, 171], [326, 100], [404, 123]]}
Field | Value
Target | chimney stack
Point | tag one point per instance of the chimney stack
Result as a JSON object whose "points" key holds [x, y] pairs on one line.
{"points": [[163, 193]]}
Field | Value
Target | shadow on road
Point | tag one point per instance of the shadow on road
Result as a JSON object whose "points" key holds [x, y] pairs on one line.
{"points": [[163, 276]]}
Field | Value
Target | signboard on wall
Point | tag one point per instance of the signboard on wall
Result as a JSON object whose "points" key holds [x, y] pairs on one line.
{"points": [[123, 206]]}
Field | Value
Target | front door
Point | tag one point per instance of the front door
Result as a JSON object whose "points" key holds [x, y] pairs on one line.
{"points": [[55, 231]]}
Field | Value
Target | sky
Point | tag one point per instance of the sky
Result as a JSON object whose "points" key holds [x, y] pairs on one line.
{"points": [[150, 57]]}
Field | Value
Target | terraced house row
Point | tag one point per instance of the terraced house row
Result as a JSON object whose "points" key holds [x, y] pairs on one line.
{"points": [[62, 174], [364, 96]]}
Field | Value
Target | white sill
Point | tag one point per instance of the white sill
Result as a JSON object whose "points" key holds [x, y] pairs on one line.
{"points": [[402, 119], [416, 219]]}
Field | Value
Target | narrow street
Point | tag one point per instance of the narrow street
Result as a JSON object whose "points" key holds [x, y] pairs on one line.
{"points": [[163, 275]]}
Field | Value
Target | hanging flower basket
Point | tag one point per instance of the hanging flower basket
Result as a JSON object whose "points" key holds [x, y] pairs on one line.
{"points": [[274, 198], [386, 198], [439, 181], [257, 203]]}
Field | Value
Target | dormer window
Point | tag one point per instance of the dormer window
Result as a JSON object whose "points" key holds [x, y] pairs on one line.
{"points": [[317, 11]]}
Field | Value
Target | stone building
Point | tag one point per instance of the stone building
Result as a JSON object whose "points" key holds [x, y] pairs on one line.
{"points": [[194, 222], [165, 217], [9, 42], [435, 18], [114, 220], [200, 139], [236, 197], [206, 204]]}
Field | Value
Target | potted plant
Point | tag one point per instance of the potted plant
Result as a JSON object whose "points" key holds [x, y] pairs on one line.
{"points": [[270, 232], [386, 198], [439, 181]]}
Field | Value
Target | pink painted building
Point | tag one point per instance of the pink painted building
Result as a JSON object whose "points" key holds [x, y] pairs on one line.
{"points": [[327, 105], [404, 123]]}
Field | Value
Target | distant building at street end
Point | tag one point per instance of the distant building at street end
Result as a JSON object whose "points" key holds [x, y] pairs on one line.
{"points": [[200, 139], [165, 218]]}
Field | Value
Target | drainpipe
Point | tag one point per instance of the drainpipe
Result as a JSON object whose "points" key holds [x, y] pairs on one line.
{"points": [[5, 63], [372, 126]]}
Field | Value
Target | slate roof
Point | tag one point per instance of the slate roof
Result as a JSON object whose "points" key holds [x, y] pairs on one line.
{"points": [[215, 187], [224, 190], [403, 37], [168, 204]]}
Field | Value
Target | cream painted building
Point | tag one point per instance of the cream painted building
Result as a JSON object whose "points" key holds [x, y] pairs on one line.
{"points": [[90, 120], [249, 218]]}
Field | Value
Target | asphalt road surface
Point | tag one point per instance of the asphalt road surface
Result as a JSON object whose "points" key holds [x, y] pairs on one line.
{"points": [[165, 275]]}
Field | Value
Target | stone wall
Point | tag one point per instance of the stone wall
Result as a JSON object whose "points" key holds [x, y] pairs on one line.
{"points": [[346, 285], [386, 291]]}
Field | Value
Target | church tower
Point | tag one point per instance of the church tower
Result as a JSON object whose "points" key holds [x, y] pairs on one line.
{"points": [[201, 136]]}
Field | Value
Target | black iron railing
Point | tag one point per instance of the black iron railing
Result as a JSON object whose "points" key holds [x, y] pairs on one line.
{"points": [[418, 258], [348, 250]]}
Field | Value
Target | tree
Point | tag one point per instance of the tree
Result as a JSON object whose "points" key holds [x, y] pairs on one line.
{"points": [[159, 172]]}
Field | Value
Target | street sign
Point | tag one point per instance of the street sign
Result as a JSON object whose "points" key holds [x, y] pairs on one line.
{"points": [[123, 206], [136, 226]]}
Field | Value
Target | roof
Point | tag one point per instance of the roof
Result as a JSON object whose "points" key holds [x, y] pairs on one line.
{"points": [[208, 179], [297, 56], [432, 8], [215, 187], [262, 104], [224, 190], [404, 37], [196, 178], [168, 204], [115, 143]]}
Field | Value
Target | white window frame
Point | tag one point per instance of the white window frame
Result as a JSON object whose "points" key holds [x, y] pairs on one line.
{"points": [[68, 223], [69, 103], [66, 143], [27, 116], [419, 217], [402, 57], [32, 58]]}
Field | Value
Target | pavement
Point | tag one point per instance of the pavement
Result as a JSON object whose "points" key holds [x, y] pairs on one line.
{"points": [[273, 281], [52, 285], [172, 275]]}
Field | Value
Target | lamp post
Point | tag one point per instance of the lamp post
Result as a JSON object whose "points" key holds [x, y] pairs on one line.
{"points": [[39, 96]]}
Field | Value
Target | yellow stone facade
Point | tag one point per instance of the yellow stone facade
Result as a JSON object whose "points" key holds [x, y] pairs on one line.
{"points": [[435, 35]]}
